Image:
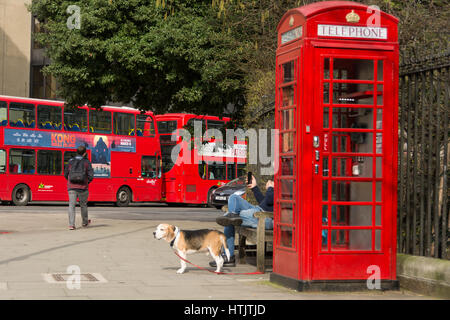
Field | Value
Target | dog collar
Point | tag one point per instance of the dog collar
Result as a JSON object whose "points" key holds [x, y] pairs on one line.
{"points": [[177, 231]]}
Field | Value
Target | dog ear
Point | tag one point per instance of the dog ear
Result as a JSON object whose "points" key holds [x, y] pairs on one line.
{"points": [[170, 231]]}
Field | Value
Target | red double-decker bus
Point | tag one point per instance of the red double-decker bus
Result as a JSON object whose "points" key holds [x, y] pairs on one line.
{"points": [[193, 181], [39, 137]]}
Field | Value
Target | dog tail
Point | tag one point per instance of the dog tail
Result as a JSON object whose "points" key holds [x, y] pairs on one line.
{"points": [[224, 244]]}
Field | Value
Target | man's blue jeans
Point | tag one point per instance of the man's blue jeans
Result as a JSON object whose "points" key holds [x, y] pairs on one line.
{"points": [[237, 204]]}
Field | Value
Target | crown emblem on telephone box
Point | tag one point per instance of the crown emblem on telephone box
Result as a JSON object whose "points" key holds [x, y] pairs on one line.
{"points": [[352, 17]]}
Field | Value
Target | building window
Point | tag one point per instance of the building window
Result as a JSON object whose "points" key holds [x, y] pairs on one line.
{"points": [[42, 86]]}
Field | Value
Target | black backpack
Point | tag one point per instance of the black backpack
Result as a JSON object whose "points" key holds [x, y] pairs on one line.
{"points": [[77, 173]]}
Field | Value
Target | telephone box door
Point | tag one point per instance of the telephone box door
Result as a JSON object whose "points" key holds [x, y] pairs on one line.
{"points": [[352, 138]]}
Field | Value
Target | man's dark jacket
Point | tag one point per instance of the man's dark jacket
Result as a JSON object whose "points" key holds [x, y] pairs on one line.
{"points": [[265, 202], [89, 174]]}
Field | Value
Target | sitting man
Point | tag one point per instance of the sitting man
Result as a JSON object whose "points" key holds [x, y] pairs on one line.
{"points": [[240, 212]]}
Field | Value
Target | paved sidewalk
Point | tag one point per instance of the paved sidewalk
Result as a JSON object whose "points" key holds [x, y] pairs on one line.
{"points": [[133, 263]]}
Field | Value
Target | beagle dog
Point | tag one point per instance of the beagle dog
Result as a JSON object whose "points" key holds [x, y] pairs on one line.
{"points": [[190, 241]]}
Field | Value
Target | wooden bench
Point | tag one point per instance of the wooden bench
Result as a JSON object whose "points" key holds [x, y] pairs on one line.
{"points": [[259, 236]]}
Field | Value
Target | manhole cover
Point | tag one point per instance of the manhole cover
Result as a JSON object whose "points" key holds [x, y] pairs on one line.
{"points": [[64, 277]]}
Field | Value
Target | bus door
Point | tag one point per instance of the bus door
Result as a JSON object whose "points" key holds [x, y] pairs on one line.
{"points": [[149, 181]]}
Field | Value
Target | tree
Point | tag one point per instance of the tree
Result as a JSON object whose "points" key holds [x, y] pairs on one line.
{"points": [[156, 57]]}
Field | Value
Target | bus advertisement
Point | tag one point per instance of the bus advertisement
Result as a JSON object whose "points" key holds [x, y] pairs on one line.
{"points": [[197, 169], [39, 137]]}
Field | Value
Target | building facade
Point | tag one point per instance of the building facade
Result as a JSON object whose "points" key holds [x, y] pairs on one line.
{"points": [[22, 59]]}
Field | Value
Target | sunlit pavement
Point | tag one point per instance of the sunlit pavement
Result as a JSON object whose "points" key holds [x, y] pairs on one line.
{"points": [[118, 258]]}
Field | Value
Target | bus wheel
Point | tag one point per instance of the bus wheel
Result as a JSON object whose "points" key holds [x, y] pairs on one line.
{"points": [[21, 195], [123, 197]]}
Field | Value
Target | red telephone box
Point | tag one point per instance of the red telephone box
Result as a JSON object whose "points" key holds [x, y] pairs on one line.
{"points": [[336, 111]]}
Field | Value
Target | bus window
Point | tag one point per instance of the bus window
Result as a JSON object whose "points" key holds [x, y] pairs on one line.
{"points": [[21, 115], [145, 125], [192, 122], [75, 119], [167, 126], [214, 125], [49, 162], [99, 121], [241, 169], [231, 171], [166, 153], [149, 167], [216, 171], [67, 156], [21, 161], [3, 113], [2, 161], [49, 117], [202, 170], [124, 124]]}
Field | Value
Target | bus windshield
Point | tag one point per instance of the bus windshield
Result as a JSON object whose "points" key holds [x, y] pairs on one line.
{"points": [[167, 126]]}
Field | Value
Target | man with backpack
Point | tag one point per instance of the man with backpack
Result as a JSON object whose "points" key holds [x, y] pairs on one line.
{"points": [[79, 174]]}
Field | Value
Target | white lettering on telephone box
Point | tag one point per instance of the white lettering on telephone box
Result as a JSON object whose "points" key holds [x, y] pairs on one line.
{"points": [[327, 30]]}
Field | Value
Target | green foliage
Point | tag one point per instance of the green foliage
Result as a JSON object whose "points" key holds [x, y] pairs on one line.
{"points": [[194, 56], [163, 56]]}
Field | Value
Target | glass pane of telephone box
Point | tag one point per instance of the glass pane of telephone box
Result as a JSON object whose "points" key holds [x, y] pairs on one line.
{"points": [[286, 212], [380, 95], [288, 96], [353, 93], [347, 215], [289, 71], [355, 142], [361, 118], [351, 191], [326, 68], [354, 239], [287, 166], [326, 93], [287, 119], [353, 69], [286, 236], [380, 71], [287, 189], [287, 142], [354, 167]]}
